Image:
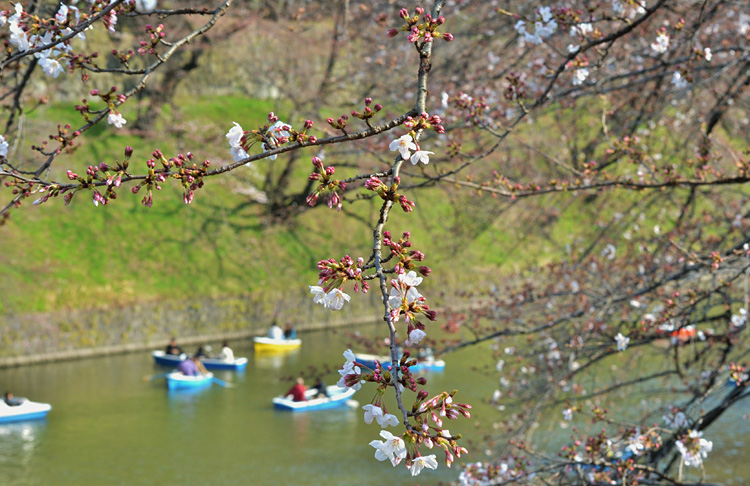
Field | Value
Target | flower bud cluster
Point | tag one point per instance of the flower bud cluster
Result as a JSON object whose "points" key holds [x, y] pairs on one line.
{"points": [[421, 27], [339, 123], [366, 114], [333, 274], [327, 184], [155, 37], [425, 122], [407, 258]]}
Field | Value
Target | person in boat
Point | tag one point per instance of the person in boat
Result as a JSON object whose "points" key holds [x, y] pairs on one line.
{"points": [[289, 332], [275, 332], [226, 353], [201, 353], [320, 388], [298, 391], [172, 347], [12, 401], [191, 367]]}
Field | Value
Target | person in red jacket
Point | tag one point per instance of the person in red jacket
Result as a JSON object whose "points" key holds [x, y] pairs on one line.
{"points": [[298, 391]]}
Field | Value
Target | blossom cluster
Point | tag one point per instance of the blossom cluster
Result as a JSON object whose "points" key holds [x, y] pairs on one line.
{"points": [[694, 448], [421, 26], [544, 23]]}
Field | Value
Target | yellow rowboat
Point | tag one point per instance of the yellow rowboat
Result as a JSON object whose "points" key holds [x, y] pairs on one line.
{"points": [[269, 345]]}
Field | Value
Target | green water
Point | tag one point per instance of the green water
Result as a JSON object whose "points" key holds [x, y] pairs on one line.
{"points": [[110, 427]]}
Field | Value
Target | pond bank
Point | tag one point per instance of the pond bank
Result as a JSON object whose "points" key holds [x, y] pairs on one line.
{"points": [[158, 343]]}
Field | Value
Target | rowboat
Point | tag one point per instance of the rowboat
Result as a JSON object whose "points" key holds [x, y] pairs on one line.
{"points": [[27, 410], [423, 364], [336, 398], [178, 381], [270, 345], [172, 360]]}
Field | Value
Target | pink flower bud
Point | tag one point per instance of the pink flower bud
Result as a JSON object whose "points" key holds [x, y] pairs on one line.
{"points": [[392, 33], [406, 205], [312, 199], [128, 151], [447, 37], [425, 271], [308, 124], [419, 10], [403, 13], [312, 139], [330, 170]]}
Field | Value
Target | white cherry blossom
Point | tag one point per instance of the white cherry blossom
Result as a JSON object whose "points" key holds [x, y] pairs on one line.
{"points": [[694, 448], [3, 147], [392, 448], [388, 419], [319, 296], [421, 462], [404, 145], [116, 119], [336, 299], [421, 156], [372, 412], [415, 336], [622, 342], [234, 135], [661, 44]]}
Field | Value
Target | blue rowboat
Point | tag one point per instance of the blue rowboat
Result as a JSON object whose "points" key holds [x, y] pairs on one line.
{"points": [[178, 381], [337, 397], [271, 345], [423, 364], [172, 360], [27, 410]]}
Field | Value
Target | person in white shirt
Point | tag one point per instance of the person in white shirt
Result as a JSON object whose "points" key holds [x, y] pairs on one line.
{"points": [[226, 353], [275, 332]]}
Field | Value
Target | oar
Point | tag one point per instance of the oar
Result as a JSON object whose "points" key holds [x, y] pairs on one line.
{"points": [[156, 376], [223, 383]]}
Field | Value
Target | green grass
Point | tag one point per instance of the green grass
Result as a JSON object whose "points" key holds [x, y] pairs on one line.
{"points": [[80, 256]]}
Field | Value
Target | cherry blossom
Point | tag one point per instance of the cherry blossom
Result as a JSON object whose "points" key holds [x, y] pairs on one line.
{"points": [[568, 414], [675, 419], [694, 448], [579, 76], [738, 320], [372, 412], [116, 119], [661, 44], [392, 448], [319, 294], [421, 156], [622, 342], [387, 420], [3, 147], [51, 67], [415, 336], [336, 298], [421, 462], [403, 145]]}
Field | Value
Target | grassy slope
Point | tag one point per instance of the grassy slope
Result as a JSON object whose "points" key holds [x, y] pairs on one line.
{"points": [[57, 256]]}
